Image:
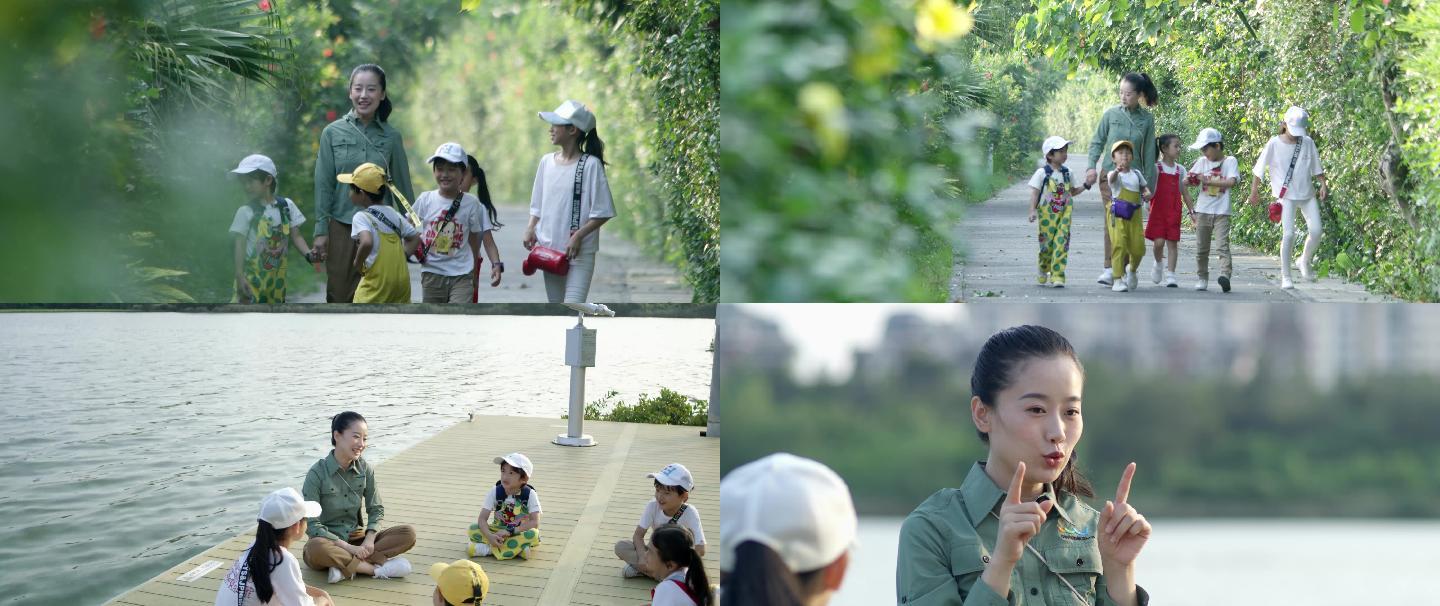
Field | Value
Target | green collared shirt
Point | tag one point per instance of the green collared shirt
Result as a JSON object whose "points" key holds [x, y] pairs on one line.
{"points": [[345, 144], [339, 492], [1119, 124], [945, 545]]}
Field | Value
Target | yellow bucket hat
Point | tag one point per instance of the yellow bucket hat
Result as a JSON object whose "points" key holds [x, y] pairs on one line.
{"points": [[367, 176]]}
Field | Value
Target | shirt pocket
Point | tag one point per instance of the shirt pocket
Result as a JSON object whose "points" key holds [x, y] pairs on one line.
{"points": [[1078, 563], [345, 149], [968, 560], [329, 496]]}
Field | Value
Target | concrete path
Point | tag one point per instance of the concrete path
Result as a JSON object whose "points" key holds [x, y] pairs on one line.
{"points": [[623, 273], [996, 250]]}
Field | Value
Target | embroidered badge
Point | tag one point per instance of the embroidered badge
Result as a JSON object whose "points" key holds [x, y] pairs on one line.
{"points": [[1075, 533]]}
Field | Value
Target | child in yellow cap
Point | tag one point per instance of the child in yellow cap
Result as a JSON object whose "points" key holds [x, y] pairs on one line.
{"points": [[459, 582], [378, 231]]}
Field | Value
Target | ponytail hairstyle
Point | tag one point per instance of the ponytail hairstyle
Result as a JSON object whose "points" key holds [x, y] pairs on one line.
{"points": [[761, 577], [1162, 140], [674, 543], [1004, 353], [590, 143], [344, 420], [382, 112], [483, 190], [1143, 86], [258, 564]]}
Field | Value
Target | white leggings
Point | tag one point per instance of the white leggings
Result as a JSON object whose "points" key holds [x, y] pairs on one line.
{"points": [[574, 286], [1311, 210]]}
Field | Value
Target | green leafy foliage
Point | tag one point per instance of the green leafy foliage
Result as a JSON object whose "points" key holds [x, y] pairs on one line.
{"points": [[669, 408]]}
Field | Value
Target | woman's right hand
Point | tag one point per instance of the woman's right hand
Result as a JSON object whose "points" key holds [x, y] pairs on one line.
{"points": [[529, 241], [319, 247], [1255, 196], [1090, 177], [1018, 521]]}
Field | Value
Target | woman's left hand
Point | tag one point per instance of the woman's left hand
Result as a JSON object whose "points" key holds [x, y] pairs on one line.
{"points": [[367, 547], [572, 249], [1123, 531], [1324, 192]]}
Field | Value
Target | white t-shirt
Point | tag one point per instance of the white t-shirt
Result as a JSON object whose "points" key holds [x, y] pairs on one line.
{"points": [[246, 225], [532, 506], [1057, 179], [654, 517], [1219, 203], [552, 196], [470, 221], [285, 579], [364, 221], [1131, 179], [1276, 157], [667, 593]]}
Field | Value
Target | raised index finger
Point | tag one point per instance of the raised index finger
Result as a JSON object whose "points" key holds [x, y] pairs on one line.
{"points": [[1014, 496], [1122, 492]]}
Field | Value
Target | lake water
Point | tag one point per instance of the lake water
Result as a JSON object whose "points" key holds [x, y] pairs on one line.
{"points": [[1315, 562], [132, 441]]}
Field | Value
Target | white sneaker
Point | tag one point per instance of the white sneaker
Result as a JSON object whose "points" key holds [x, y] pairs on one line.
{"points": [[1105, 277], [1132, 280], [1202, 285], [336, 575], [1120, 286], [1170, 280], [1286, 283], [1305, 271], [1157, 274], [393, 568], [479, 550], [631, 572]]}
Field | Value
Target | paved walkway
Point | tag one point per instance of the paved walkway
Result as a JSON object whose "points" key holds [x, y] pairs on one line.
{"points": [[623, 273], [592, 498], [996, 250]]}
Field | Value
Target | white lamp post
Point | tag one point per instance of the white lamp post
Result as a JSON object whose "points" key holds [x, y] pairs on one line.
{"points": [[579, 355]]}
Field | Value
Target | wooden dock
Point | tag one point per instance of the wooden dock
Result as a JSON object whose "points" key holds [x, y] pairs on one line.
{"points": [[591, 497]]}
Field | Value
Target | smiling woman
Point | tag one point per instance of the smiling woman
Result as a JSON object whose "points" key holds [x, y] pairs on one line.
{"points": [[1018, 510]]}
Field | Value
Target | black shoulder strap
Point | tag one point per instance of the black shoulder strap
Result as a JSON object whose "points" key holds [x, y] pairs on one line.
{"points": [[676, 518], [381, 216], [575, 202], [283, 205]]}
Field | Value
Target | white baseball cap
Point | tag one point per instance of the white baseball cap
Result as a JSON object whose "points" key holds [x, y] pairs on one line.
{"points": [[1297, 120], [815, 525], [674, 474], [571, 112], [518, 460], [1052, 144], [254, 162], [285, 508], [1206, 137], [449, 152]]}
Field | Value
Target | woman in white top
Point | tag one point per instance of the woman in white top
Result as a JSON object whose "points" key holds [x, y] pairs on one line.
{"points": [[557, 220], [266, 572], [1293, 188]]}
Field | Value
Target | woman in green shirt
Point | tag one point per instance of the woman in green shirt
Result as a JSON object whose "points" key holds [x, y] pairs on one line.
{"points": [[1127, 121], [1016, 532], [339, 482], [364, 134]]}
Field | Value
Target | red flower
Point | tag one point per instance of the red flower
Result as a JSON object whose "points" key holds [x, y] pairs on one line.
{"points": [[97, 25], [265, 5], [330, 116], [328, 53]]}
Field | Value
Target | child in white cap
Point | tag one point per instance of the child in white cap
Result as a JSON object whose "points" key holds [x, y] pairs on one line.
{"points": [[459, 582], [1215, 173], [263, 229], [570, 201], [786, 533], [1055, 188], [515, 529], [1294, 166], [670, 506], [266, 572], [452, 228]]}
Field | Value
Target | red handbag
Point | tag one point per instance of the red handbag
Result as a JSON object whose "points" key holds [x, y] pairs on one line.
{"points": [[1275, 212], [546, 259]]}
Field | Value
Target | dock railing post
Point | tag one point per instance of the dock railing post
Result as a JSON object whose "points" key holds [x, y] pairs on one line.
{"points": [[579, 355]]}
